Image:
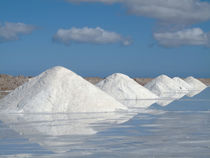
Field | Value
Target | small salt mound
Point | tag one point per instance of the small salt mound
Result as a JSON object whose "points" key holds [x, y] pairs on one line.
{"points": [[182, 83], [163, 85], [123, 87], [195, 83], [197, 86], [58, 90], [166, 88]]}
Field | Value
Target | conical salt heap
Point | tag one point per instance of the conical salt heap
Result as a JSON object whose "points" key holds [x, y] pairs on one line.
{"points": [[123, 87], [162, 85], [197, 86], [58, 90], [195, 83], [165, 87]]}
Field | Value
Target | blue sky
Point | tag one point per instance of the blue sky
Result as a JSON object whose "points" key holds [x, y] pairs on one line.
{"points": [[94, 38]]}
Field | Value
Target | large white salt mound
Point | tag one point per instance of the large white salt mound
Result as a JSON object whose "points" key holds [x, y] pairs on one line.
{"points": [[58, 90], [123, 87], [197, 86], [182, 83]]}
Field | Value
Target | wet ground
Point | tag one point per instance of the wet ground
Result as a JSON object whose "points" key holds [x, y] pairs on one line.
{"points": [[179, 129]]}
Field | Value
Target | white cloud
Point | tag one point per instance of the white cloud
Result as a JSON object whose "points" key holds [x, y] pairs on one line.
{"points": [[89, 35], [194, 36], [103, 1], [11, 31], [169, 11], [173, 11]]}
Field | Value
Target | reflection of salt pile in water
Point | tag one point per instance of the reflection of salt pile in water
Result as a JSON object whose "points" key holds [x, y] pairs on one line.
{"points": [[58, 90], [63, 124], [123, 87], [56, 132], [136, 104], [166, 88], [197, 86]]}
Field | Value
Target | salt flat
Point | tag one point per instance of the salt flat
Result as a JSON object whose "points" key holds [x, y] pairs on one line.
{"points": [[180, 129]]}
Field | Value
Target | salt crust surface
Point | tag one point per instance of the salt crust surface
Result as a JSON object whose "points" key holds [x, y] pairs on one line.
{"points": [[58, 90], [182, 83], [167, 89], [195, 83], [122, 87], [197, 86], [164, 86]]}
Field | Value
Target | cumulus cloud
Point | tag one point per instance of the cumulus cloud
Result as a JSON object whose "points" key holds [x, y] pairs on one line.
{"points": [[89, 35], [194, 36], [173, 11], [103, 1], [11, 31], [169, 11]]}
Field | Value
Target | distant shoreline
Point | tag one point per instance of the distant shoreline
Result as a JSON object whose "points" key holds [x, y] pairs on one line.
{"points": [[8, 82]]}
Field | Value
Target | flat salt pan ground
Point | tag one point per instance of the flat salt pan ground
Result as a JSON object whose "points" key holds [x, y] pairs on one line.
{"points": [[179, 130], [123, 87], [58, 90]]}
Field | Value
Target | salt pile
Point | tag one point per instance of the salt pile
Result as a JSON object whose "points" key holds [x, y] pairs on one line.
{"points": [[182, 83], [162, 85], [166, 88], [123, 87], [197, 86], [58, 90]]}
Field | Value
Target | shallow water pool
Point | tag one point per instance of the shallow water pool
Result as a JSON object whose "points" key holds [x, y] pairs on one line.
{"points": [[179, 129]]}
